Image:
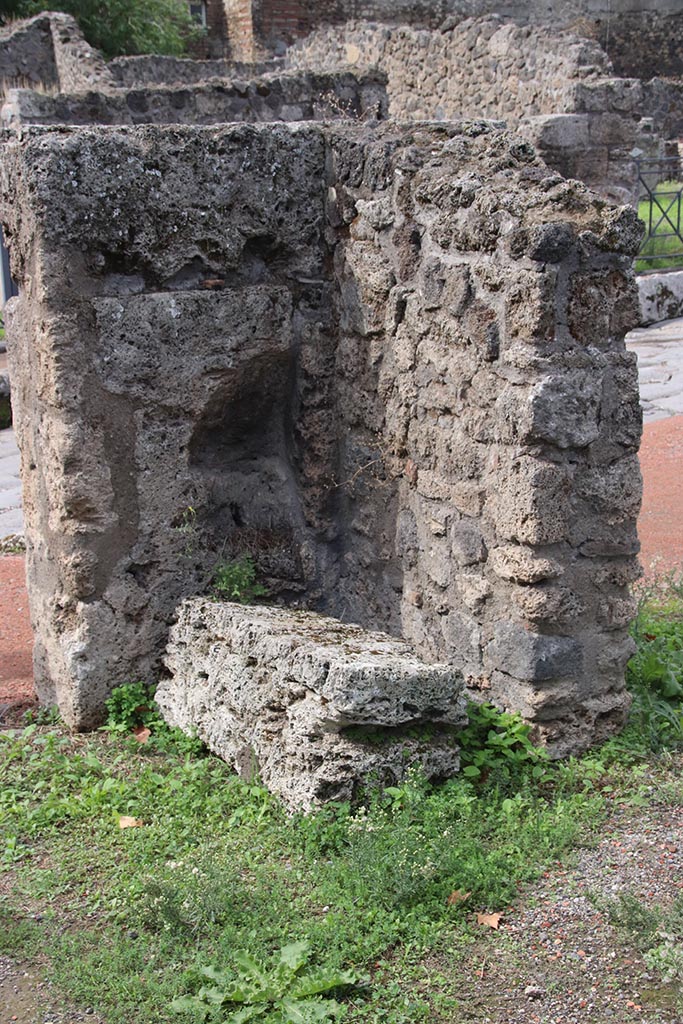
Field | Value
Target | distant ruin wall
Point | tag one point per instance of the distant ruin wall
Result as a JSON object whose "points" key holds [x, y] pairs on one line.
{"points": [[555, 86], [388, 364], [481, 68], [50, 50], [300, 96], [663, 102], [27, 53], [642, 37]]}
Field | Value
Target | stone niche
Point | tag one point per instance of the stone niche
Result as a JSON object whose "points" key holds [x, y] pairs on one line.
{"points": [[386, 362]]}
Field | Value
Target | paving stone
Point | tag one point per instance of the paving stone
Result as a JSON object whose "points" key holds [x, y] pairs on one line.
{"points": [[11, 516], [660, 368]]}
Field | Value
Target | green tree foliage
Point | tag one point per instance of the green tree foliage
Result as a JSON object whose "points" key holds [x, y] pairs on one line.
{"points": [[120, 26]]}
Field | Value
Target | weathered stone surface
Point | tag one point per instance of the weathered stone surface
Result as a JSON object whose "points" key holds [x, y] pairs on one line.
{"points": [[286, 96], [506, 70], [661, 296], [5, 407], [276, 691], [526, 655]]}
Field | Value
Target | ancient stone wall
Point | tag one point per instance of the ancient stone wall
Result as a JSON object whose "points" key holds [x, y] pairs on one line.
{"points": [[663, 102], [50, 50], [387, 363], [240, 27], [27, 54], [293, 96], [213, 42], [554, 85]]}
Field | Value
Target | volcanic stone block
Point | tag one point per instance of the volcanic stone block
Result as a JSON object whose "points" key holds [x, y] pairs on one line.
{"points": [[315, 706]]}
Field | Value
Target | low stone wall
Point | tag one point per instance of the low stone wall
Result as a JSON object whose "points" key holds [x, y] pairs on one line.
{"points": [[387, 363], [134, 72], [315, 708], [296, 96]]}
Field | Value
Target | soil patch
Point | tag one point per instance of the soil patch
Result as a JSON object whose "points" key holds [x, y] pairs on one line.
{"points": [[16, 639], [661, 521]]}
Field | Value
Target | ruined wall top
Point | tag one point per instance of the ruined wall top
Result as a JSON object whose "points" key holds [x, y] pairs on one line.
{"points": [[483, 67], [642, 37], [49, 50]]}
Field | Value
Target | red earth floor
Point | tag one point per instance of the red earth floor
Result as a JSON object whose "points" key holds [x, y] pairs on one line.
{"points": [[16, 668], [660, 527], [661, 519]]}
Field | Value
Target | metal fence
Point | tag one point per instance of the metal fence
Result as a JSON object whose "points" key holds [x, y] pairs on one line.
{"points": [[7, 286], [659, 206]]}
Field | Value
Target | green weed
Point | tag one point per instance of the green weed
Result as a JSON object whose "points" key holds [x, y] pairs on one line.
{"points": [[277, 992], [497, 745], [655, 673], [656, 930], [236, 580], [214, 864], [132, 708]]}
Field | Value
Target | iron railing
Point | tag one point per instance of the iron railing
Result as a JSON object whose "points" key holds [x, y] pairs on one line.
{"points": [[659, 206], [7, 286]]}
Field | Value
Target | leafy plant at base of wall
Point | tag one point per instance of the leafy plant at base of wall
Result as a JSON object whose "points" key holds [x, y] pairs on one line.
{"points": [[236, 581], [278, 993], [497, 743], [655, 672], [130, 707]]}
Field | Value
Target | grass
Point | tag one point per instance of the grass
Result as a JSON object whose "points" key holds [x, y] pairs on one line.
{"points": [[211, 865], [660, 211]]}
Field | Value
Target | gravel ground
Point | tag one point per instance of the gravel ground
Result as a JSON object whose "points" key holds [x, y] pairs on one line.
{"points": [[26, 999], [557, 959]]}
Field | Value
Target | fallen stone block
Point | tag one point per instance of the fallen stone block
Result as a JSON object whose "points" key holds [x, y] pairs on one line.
{"points": [[661, 296], [316, 707]]}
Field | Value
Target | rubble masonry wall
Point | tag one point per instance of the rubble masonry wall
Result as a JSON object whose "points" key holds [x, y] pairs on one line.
{"points": [[293, 96], [386, 363], [642, 37], [49, 50], [557, 87]]}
